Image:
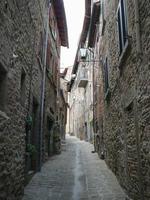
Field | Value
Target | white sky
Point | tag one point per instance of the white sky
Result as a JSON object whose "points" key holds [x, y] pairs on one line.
{"points": [[75, 10]]}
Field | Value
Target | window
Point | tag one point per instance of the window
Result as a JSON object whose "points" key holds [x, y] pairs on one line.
{"points": [[41, 47], [106, 77], [22, 87], [55, 70], [102, 20], [52, 24], [3, 87], [49, 57], [96, 126], [122, 25]]}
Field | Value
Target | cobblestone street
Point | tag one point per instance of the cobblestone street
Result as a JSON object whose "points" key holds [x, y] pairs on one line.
{"points": [[75, 174]]}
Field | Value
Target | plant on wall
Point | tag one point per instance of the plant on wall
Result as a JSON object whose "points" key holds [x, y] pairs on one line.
{"points": [[31, 149]]}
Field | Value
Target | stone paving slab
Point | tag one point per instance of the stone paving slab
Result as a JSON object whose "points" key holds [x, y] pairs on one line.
{"points": [[75, 174]]}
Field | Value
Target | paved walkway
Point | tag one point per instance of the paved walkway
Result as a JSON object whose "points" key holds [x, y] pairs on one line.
{"points": [[75, 174]]}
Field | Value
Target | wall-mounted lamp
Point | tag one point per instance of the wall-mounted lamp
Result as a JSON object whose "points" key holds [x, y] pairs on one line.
{"points": [[73, 76], [83, 53]]}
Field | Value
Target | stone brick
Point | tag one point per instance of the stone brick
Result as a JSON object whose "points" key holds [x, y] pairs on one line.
{"points": [[19, 43], [21, 25], [127, 113]]}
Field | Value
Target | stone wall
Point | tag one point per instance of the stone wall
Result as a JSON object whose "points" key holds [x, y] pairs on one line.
{"points": [[63, 106], [127, 109], [20, 27], [52, 85]]}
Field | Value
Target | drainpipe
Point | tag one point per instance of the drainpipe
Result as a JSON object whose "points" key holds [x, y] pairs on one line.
{"points": [[43, 89], [137, 25]]}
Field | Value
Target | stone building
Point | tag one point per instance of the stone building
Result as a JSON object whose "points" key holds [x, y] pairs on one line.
{"points": [[57, 36], [68, 78], [94, 44], [26, 30], [121, 43], [119, 37], [63, 102], [81, 87]]}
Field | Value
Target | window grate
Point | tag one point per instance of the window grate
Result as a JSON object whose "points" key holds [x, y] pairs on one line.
{"points": [[122, 25]]}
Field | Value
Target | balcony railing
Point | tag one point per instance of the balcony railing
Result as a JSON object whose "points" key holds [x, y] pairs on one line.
{"points": [[82, 77]]}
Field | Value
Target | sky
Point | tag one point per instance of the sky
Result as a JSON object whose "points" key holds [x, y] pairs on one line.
{"points": [[75, 10]]}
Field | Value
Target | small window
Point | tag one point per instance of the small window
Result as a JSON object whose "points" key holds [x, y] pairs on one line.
{"points": [[106, 76], [96, 126], [122, 25], [54, 33], [3, 88], [22, 87], [6, 6], [95, 96], [42, 46], [49, 60], [48, 55], [53, 25], [55, 72], [102, 20]]}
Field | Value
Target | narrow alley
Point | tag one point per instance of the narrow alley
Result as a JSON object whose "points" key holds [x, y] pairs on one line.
{"points": [[74, 100], [75, 174]]}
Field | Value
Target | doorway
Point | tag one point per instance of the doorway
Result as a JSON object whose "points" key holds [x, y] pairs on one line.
{"points": [[34, 136], [49, 136]]}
